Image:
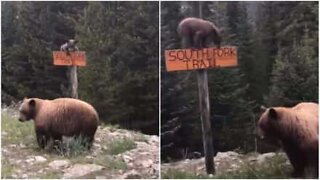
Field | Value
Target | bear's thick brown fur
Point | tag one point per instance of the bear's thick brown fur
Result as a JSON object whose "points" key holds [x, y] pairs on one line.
{"points": [[297, 129], [60, 117], [197, 32]]}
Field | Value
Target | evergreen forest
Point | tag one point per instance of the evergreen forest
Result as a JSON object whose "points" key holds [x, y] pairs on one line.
{"points": [[121, 41], [277, 45]]}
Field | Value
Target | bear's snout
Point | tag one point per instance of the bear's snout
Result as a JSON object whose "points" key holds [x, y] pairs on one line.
{"points": [[22, 118], [260, 133], [261, 129]]}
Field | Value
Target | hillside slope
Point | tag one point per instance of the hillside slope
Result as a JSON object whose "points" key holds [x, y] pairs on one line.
{"points": [[116, 153]]}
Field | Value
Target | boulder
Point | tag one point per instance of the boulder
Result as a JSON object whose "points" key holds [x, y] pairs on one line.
{"points": [[79, 170], [57, 164]]}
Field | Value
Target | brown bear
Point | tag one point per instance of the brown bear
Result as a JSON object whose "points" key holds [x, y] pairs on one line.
{"points": [[60, 117], [198, 32], [297, 129]]}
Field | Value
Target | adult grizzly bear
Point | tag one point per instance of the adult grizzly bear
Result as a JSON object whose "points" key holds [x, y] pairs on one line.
{"points": [[297, 129], [198, 32], [60, 117]]}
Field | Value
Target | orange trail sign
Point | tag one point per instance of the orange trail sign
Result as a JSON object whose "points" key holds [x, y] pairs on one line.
{"points": [[76, 58], [190, 59]]}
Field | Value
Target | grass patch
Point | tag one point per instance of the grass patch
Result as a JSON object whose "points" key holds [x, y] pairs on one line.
{"points": [[6, 169], [120, 146], [17, 132], [176, 174], [49, 175], [275, 168], [73, 147], [140, 137], [111, 162]]}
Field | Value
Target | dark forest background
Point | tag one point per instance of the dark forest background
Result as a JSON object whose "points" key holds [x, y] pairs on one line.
{"points": [[278, 66], [121, 40]]}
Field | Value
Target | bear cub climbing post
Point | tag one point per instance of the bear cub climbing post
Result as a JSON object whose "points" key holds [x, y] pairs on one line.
{"points": [[197, 56]]}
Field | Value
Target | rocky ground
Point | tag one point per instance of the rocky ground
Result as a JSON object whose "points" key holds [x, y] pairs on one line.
{"points": [[116, 153], [231, 163]]}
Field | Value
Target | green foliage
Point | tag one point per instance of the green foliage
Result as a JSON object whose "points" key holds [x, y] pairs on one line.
{"points": [[121, 43], [49, 175], [119, 146], [16, 131], [276, 168], [121, 40], [6, 169], [73, 147], [178, 90], [231, 100], [27, 57], [277, 55], [111, 163], [295, 75]]}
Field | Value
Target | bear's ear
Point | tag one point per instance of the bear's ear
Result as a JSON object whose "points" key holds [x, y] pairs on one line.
{"points": [[263, 108], [32, 103], [273, 114]]}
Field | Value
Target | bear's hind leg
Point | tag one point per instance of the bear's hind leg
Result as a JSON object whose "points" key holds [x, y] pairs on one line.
{"points": [[50, 143], [90, 142], [58, 144]]}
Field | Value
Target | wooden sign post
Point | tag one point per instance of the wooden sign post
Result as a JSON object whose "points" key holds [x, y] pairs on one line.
{"points": [[205, 120], [74, 59], [74, 81], [201, 60]]}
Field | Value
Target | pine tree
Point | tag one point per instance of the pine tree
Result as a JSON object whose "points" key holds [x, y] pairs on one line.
{"points": [[121, 79], [27, 63], [178, 91], [295, 77]]}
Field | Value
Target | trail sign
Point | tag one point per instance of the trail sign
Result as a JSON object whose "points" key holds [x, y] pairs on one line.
{"points": [[190, 59], [73, 59], [76, 58]]}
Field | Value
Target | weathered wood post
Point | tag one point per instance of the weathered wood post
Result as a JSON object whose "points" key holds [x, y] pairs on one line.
{"points": [[74, 59], [204, 102], [74, 81], [203, 91]]}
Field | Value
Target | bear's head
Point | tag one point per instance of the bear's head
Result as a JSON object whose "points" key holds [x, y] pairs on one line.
{"points": [[27, 109], [216, 35], [269, 123]]}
